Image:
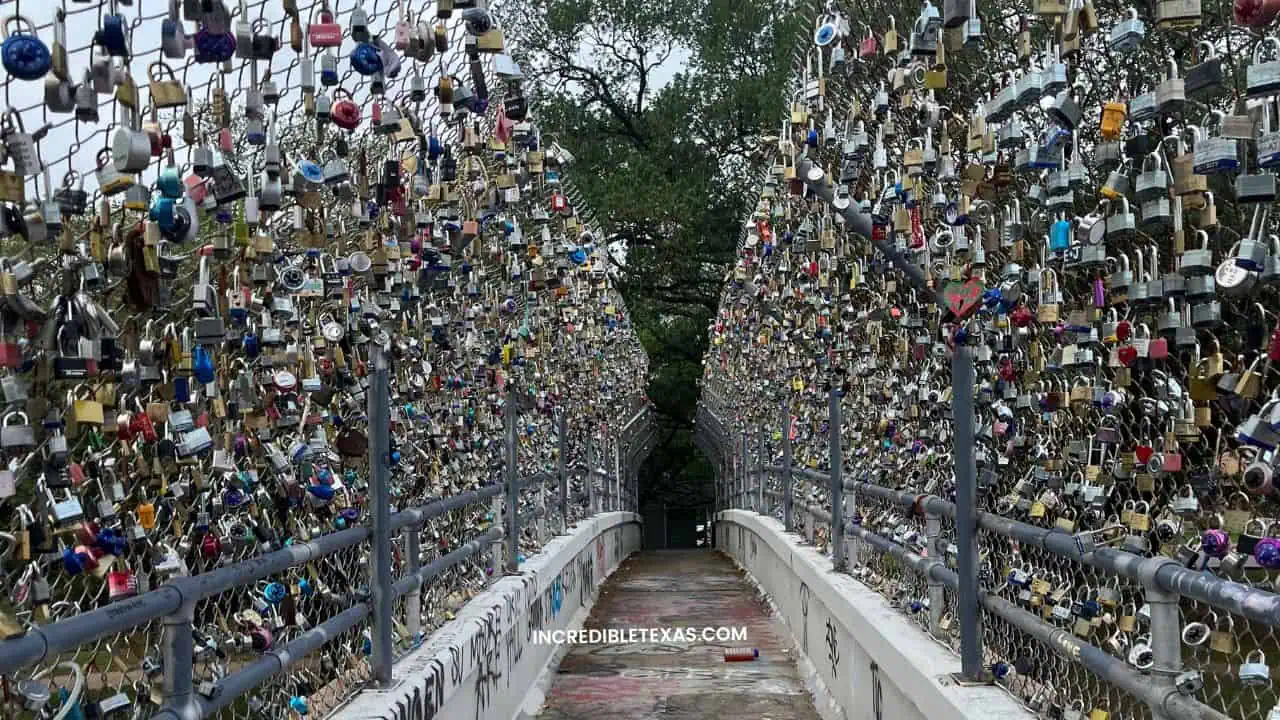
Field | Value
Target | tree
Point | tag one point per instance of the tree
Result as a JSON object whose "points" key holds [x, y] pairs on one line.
{"points": [[671, 164]]}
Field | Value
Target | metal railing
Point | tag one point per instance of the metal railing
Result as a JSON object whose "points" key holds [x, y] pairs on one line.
{"points": [[175, 603], [1153, 667]]}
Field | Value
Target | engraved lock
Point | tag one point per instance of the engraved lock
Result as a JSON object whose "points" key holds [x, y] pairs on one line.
{"points": [[1262, 77], [1215, 154]]}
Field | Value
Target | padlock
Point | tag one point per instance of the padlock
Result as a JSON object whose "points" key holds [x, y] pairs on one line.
{"points": [[1262, 77], [1126, 35], [24, 54]]}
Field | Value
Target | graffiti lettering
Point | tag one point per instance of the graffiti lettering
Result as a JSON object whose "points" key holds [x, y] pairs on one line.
{"points": [[486, 655], [833, 649], [804, 614], [455, 665]]}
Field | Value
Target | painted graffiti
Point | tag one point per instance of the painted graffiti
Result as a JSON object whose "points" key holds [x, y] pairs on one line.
{"points": [[833, 649], [485, 653], [804, 613], [455, 665], [587, 581], [427, 697]]}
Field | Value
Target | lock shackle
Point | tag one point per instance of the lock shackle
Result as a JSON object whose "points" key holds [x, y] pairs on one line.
{"points": [[158, 69], [19, 21], [1267, 42]]}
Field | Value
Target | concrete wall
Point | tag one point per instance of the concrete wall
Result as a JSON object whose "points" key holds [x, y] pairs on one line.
{"points": [[480, 665], [851, 636]]}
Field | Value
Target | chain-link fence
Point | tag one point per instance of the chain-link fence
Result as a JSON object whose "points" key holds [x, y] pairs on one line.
{"points": [[1074, 198]]}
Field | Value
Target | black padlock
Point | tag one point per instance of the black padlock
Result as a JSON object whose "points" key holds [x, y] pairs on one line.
{"points": [[516, 107]]}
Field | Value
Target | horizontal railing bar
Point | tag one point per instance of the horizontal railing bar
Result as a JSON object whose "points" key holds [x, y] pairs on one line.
{"points": [[1254, 604], [42, 641], [273, 662], [1095, 660], [426, 573], [436, 508]]}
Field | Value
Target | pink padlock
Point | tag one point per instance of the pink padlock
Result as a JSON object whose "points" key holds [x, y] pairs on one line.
{"points": [[326, 32], [121, 584], [225, 141], [196, 189]]}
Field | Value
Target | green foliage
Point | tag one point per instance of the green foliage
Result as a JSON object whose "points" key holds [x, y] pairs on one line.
{"points": [[671, 161]]}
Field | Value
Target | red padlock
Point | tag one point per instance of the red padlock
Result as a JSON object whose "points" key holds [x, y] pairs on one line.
{"points": [[211, 546], [1127, 354], [326, 32], [1273, 350], [142, 426], [10, 353], [121, 584], [345, 113]]}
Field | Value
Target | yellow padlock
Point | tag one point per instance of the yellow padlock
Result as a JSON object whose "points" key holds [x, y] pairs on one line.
{"points": [[1099, 714], [1113, 117]]}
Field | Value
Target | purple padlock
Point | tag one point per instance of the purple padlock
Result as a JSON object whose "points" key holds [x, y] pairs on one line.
{"points": [[1215, 543], [214, 47], [1267, 553]]}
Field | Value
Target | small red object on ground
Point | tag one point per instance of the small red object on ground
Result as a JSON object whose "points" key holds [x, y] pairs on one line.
{"points": [[741, 654]]}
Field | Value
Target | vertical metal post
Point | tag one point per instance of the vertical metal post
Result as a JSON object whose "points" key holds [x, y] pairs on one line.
{"points": [[512, 564], [837, 482], [1166, 629], [177, 658], [380, 484], [788, 521], [563, 471], [413, 599], [742, 473], [617, 473], [962, 380], [760, 462], [933, 534], [591, 472]]}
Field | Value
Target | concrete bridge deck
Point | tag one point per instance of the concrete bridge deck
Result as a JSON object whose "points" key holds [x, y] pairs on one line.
{"points": [[688, 589]]}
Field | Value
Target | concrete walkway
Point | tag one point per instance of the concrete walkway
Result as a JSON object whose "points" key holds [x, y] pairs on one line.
{"points": [[680, 681]]}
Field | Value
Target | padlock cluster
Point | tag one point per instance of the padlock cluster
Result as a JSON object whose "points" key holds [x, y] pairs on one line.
{"points": [[189, 349], [1082, 197]]}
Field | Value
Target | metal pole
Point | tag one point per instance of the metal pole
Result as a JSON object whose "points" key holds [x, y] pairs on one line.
{"points": [[788, 483], [591, 472], [413, 601], [380, 485], [760, 508], [177, 659], [513, 487], [933, 532], [564, 475], [962, 381], [617, 473], [837, 485], [742, 473]]}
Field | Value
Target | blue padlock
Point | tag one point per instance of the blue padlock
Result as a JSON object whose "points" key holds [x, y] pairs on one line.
{"points": [[162, 213], [1060, 235], [202, 365], [24, 54], [114, 35], [366, 59], [182, 390]]}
